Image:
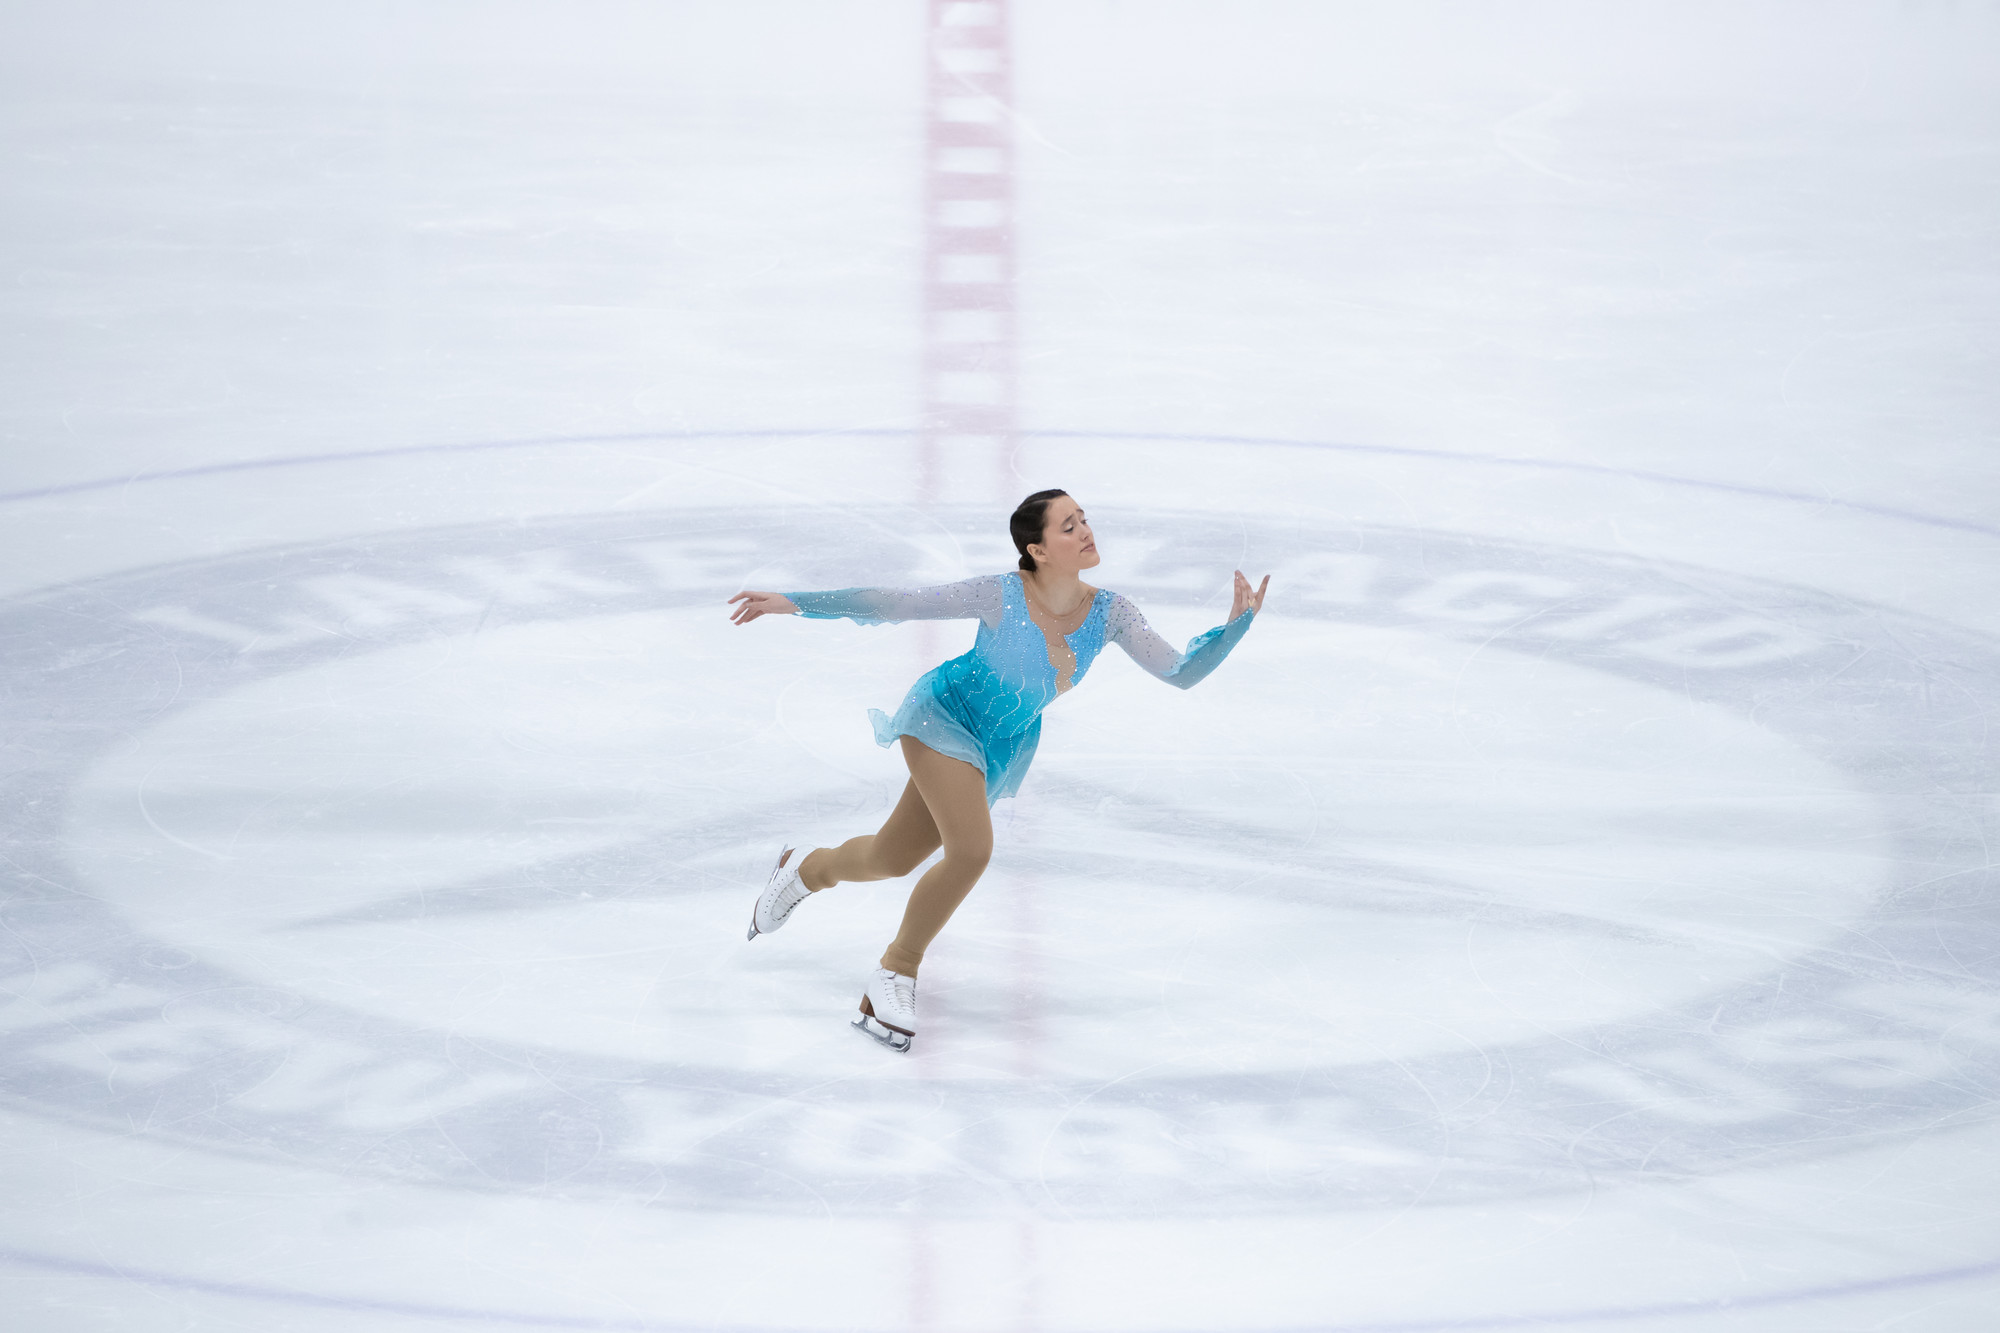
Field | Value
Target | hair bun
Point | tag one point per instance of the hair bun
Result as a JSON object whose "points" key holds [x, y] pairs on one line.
{"points": [[1029, 519]]}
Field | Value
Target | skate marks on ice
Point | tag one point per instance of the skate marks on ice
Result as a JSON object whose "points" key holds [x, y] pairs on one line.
{"points": [[423, 857]]}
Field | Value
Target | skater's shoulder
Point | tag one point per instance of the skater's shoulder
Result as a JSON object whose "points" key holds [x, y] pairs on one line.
{"points": [[1121, 613]]}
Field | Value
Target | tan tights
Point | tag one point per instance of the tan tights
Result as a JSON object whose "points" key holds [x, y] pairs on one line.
{"points": [[943, 805]]}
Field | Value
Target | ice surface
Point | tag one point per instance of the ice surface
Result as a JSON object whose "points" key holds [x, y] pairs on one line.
{"points": [[1570, 907]]}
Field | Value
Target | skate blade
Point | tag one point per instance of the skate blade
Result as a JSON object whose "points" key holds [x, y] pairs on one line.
{"points": [[888, 1036]]}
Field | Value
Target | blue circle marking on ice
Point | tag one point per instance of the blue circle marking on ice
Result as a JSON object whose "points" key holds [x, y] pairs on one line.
{"points": [[518, 1319], [1812, 501]]}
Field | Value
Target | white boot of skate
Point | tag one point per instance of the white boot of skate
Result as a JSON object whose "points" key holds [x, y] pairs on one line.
{"points": [[784, 892], [889, 1009]]}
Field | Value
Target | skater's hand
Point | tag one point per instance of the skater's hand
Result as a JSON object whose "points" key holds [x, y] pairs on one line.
{"points": [[1245, 599], [760, 604]]}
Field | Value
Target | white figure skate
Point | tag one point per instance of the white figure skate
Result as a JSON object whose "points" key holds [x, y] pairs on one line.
{"points": [[889, 1009], [784, 892]]}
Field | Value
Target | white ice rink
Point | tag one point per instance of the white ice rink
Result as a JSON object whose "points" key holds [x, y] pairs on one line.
{"points": [[1573, 906]]}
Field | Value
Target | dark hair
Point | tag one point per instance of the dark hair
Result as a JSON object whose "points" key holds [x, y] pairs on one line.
{"points": [[1030, 519]]}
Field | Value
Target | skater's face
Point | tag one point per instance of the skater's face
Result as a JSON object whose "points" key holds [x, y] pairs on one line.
{"points": [[1067, 544]]}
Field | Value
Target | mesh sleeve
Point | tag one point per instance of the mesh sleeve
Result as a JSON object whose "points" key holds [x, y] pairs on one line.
{"points": [[1129, 630], [979, 598]]}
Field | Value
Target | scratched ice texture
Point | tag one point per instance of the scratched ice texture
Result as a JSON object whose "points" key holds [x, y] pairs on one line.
{"points": [[1572, 906]]}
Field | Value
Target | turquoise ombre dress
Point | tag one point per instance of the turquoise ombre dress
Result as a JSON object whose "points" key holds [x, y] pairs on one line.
{"points": [[985, 707]]}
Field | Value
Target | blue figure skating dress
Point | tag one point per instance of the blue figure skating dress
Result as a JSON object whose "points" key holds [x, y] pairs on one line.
{"points": [[985, 707]]}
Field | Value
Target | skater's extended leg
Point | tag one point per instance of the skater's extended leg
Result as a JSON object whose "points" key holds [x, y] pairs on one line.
{"points": [[905, 839], [954, 792]]}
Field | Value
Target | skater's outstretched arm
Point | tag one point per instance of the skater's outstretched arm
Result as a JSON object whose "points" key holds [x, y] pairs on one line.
{"points": [[1129, 630], [978, 598]]}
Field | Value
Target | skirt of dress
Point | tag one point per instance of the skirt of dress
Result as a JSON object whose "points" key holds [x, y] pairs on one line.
{"points": [[933, 714]]}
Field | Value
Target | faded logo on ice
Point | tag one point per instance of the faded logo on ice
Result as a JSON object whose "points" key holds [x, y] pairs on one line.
{"points": [[1893, 1033]]}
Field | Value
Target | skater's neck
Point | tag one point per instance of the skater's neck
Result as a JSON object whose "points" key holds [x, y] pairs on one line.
{"points": [[1057, 591]]}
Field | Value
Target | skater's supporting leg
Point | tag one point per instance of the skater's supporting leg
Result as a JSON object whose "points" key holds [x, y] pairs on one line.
{"points": [[905, 839], [954, 792]]}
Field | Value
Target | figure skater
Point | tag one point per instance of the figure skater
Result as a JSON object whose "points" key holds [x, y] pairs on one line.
{"points": [[968, 728]]}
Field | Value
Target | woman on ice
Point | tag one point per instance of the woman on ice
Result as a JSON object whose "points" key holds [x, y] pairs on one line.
{"points": [[968, 728]]}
